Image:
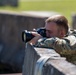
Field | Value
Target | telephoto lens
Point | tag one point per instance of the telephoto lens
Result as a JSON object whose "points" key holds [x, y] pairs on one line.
{"points": [[27, 36]]}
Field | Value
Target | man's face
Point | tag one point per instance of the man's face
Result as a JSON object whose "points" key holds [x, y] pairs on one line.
{"points": [[52, 30]]}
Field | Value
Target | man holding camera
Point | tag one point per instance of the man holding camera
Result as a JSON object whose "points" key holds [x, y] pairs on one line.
{"points": [[58, 35]]}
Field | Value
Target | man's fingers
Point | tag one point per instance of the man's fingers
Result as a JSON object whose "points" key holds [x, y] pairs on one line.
{"points": [[35, 34]]}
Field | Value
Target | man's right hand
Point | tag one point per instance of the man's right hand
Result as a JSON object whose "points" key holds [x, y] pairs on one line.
{"points": [[35, 39]]}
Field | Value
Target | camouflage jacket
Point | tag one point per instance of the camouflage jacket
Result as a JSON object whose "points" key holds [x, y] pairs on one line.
{"points": [[66, 43]]}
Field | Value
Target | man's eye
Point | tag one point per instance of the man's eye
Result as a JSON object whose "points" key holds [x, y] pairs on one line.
{"points": [[49, 31]]}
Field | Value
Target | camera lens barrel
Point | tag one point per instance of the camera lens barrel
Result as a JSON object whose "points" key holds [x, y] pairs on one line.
{"points": [[27, 36]]}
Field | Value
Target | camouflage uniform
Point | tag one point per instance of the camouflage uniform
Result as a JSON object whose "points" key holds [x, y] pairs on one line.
{"points": [[64, 44]]}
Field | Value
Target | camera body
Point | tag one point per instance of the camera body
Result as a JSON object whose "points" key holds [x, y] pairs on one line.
{"points": [[27, 35]]}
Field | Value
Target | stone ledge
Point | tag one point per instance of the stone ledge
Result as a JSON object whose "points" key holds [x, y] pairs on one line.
{"points": [[56, 65], [38, 14]]}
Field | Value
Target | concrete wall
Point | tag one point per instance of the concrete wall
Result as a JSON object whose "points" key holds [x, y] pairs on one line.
{"points": [[12, 48], [35, 62]]}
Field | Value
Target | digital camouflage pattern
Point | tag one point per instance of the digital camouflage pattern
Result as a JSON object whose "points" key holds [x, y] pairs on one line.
{"points": [[67, 43]]}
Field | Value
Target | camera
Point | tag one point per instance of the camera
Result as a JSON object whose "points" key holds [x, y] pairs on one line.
{"points": [[27, 35]]}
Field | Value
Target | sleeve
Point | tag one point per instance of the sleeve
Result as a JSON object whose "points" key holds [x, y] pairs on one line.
{"points": [[67, 43]]}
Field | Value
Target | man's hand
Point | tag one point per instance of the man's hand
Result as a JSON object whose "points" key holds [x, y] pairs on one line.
{"points": [[35, 39]]}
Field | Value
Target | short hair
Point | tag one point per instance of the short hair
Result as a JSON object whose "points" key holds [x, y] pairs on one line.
{"points": [[60, 20]]}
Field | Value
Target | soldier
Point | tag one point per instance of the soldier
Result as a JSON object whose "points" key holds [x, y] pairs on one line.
{"points": [[59, 36]]}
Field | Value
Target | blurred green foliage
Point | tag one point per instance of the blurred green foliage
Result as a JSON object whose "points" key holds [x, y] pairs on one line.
{"points": [[65, 7]]}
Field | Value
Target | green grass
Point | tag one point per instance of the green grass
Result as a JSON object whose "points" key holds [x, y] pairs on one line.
{"points": [[65, 7]]}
